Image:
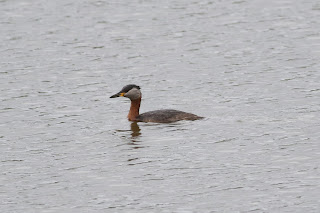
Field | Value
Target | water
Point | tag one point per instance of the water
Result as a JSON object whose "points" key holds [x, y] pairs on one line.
{"points": [[250, 67]]}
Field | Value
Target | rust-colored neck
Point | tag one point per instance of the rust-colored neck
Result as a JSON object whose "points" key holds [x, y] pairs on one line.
{"points": [[134, 109]]}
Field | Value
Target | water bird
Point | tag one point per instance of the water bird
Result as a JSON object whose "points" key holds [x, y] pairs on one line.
{"points": [[133, 92]]}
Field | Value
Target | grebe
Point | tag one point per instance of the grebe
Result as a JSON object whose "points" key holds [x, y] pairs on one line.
{"points": [[133, 92]]}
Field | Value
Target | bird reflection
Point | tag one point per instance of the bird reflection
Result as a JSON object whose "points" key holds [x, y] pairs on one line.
{"points": [[134, 143], [135, 130], [133, 138], [135, 134]]}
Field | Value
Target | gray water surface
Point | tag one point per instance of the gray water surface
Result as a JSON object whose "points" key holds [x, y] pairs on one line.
{"points": [[250, 67]]}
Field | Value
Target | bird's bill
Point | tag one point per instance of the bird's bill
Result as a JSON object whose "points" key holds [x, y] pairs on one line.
{"points": [[119, 94]]}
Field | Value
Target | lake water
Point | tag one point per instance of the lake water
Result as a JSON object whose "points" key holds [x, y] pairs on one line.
{"points": [[250, 67]]}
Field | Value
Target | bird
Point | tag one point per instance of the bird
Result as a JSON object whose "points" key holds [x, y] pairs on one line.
{"points": [[133, 92]]}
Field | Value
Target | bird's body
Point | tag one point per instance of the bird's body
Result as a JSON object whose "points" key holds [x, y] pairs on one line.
{"points": [[166, 116], [133, 92]]}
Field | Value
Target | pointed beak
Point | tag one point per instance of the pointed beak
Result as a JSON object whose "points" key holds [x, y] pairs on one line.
{"points": [[119, 94]]}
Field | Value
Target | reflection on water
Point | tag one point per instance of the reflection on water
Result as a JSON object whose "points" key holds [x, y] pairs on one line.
{"points": [[134, 136], [135, 129]]}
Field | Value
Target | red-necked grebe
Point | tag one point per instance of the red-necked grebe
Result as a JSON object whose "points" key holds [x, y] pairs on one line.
{"points": [[133, 92]]}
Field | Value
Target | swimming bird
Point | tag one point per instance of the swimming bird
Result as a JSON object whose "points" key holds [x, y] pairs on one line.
{"points": [[133, 92]]}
